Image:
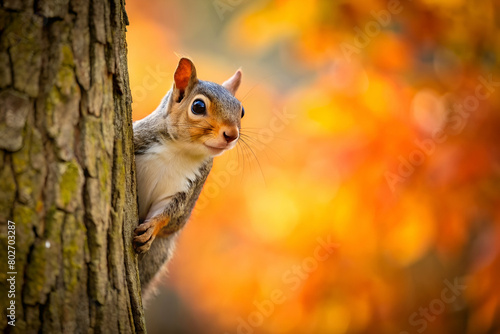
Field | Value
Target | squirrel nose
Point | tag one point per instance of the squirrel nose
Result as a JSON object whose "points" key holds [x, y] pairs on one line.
{"points": [[230, 134]]}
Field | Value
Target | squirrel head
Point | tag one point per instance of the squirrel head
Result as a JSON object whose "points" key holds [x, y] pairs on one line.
{"points": [[203, 116]]}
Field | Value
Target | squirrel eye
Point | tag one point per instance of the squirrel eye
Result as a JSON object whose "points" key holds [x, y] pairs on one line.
{"points": [[198, 107], [242, 112]]}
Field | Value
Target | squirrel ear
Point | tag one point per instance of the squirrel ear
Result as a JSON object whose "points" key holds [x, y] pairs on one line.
{"points": [[184, 78], [233, 82]]}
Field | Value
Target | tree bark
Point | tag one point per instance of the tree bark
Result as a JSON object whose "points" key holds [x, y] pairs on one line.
{"points": [[67, 171]]}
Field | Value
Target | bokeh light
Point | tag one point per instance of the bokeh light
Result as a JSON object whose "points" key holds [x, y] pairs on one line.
{"points": [[372, 126]]}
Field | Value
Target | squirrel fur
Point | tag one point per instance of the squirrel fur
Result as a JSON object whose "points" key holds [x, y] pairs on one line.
{"points": [[174, 150]]}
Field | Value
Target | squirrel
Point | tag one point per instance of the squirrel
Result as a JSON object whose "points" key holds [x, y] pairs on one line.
{"points": [[174, 150]]}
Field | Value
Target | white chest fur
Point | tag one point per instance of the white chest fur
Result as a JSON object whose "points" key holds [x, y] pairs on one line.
{"points": [[162, 171]]}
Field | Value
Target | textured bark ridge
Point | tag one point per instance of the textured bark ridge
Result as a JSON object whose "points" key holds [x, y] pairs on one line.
{"points": [[67, 175]]}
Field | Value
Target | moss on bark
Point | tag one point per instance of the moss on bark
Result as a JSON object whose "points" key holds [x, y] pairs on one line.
{"points": [[67, 167]]}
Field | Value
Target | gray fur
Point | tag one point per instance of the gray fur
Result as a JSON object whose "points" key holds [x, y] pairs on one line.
{"points": [[162, 248], [226, 103], [149, 131], [160, 127]]}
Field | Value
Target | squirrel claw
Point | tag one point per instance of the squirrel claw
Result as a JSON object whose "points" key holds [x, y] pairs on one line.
{"points": [[144, 236], [142, 249]]}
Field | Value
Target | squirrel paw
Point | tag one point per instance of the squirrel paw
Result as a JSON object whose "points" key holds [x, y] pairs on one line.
{"points": [[144, 236]]}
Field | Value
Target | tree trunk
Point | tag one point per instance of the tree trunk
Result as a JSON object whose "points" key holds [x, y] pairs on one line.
{"points": [[67, 172]]}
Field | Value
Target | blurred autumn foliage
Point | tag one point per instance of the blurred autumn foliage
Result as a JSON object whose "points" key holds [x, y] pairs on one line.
{"points": [[370, 200]]}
